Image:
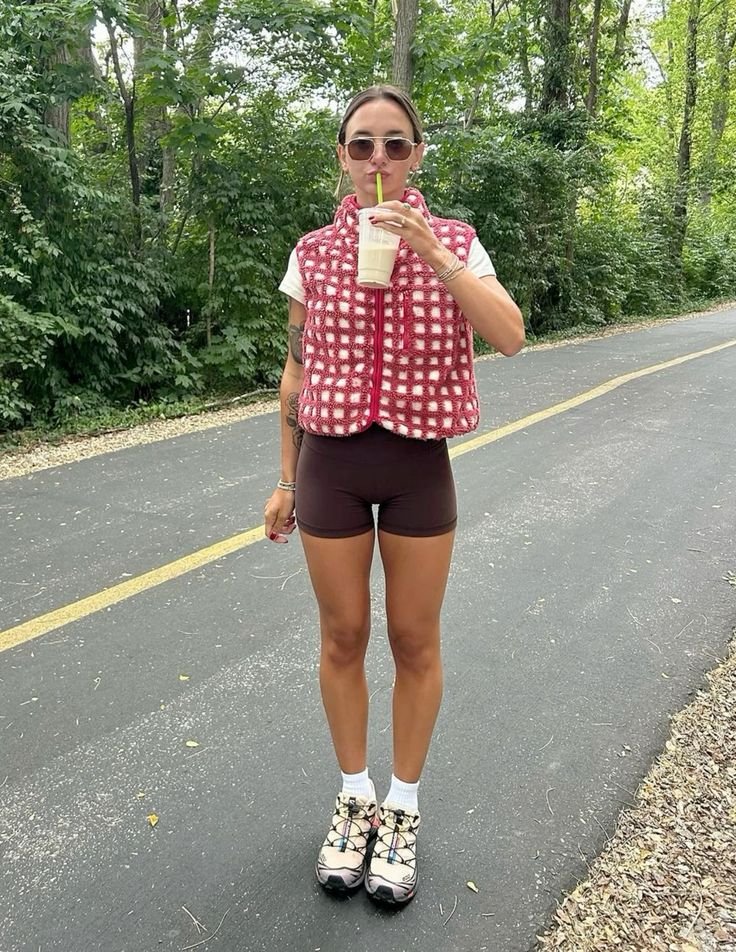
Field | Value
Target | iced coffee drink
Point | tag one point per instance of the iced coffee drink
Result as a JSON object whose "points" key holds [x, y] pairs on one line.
{"points": [[376, 253]]}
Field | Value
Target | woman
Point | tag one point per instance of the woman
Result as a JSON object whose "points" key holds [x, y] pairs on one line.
{"points": [[373, 385]]}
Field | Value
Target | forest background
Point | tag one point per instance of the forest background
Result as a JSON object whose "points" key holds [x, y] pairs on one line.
{"points": [[160, 158]]}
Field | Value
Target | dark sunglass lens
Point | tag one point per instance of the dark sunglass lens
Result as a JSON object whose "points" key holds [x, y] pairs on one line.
{"points": [[360, 149], [398, 149]]}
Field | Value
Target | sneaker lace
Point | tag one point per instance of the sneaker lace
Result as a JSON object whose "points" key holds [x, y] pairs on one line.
{"points": [[393, 839], [347, 830]]}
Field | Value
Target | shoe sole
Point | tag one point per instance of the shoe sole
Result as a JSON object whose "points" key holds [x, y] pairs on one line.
{"points": [[386, 896], [336, 884]]}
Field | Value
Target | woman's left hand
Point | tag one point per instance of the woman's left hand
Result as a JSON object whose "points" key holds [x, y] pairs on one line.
{"points": [[401, 219]]}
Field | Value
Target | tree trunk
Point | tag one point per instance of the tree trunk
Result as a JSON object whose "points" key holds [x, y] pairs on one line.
{"points": [[57, 114], [128, 99], [156, 162], [168, 156], [74, 51], [210, 283], [151, 12], [526, 73], [671, 117], [200, 56], [469, 116], [94, 112], [684, 151], [557, 62], [720, 108], [485, 83], [621, 28], [556, 92], [402, 72], [591, 99]]}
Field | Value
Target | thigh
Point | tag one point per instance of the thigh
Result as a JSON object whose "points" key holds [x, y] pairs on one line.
{"points": [[416, 570], [340, 573]]}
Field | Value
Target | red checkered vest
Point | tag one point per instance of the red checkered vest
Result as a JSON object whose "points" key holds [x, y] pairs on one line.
{"points": [[403, 357]]}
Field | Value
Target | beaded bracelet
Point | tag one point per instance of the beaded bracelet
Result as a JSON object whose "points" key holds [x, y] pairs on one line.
{"points": [[290, 487]]}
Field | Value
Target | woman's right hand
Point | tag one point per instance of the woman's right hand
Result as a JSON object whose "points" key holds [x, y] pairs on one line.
{"points": [[279, 519]]}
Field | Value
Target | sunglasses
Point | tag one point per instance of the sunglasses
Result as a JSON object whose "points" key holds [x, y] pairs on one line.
{"points": [[396, 148]]}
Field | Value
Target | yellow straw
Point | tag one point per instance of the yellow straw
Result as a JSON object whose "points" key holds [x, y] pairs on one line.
{"points": [[379, 188]]}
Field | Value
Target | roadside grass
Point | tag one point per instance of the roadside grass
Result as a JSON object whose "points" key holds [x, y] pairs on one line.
{"points": [[113, 420]]}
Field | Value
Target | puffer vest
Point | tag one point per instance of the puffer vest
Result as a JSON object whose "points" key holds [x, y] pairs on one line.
{"points": [[401, 358]]}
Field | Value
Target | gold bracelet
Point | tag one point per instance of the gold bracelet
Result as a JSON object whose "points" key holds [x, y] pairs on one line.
{"points": [[451, 277], [451, 270], [448, 267]]}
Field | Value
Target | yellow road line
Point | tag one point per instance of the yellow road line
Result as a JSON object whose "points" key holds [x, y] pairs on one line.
{"points": [[498, 434], [52, 620], [118, 593]]}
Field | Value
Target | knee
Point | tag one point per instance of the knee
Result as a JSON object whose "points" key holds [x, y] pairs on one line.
{"points": [[344, 641], [415, 647]]}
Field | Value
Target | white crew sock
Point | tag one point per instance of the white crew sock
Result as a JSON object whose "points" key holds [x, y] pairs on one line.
{"points": [[403, 795], [357, 784]]}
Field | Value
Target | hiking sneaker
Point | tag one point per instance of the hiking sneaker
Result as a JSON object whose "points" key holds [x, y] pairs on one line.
{"points": [[392, 874], [341, 861]]}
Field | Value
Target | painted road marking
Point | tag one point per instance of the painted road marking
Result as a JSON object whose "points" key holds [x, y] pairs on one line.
{"points": [[476, 442], [43, 624]]}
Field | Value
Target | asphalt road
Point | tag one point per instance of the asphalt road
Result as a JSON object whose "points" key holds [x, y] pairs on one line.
{"points": [[585, 604]]}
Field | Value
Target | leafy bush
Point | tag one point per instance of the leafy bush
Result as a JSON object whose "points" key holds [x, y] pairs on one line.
{"points": [[26, 341], [80, 304], [259, 201], [521, 191], [709, 259]]}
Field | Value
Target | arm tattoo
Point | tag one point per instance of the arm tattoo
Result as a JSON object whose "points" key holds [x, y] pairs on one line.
{"points": [[296, 334], [292, 418]]}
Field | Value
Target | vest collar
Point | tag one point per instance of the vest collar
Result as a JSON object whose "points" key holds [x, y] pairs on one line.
{"points": [[346, 215]]}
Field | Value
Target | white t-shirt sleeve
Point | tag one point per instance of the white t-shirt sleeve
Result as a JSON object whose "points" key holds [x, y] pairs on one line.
{"points": [[292, 281], [479, 263]]}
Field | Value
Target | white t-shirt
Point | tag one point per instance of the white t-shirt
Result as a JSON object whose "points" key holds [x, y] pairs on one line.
{"points": [[479, 263]]}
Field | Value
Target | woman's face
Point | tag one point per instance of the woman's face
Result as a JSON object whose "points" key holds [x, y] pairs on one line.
{"points": [[379, 119]]}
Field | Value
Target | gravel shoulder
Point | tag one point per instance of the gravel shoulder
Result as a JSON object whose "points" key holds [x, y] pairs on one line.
{"points": [[23, 462], [666, 880]]}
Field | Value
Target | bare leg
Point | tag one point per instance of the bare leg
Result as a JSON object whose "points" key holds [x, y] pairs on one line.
{"points": [[416, 576], [340, 573]]}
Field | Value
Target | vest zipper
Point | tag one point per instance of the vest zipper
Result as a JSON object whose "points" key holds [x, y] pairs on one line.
{"points": [[377, 352]]}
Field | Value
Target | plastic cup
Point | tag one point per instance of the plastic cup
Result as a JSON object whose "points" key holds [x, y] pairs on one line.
{"points": [[376, 252]]}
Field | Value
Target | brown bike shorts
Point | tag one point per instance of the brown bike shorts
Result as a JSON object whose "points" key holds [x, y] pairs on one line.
{"points": [[340, 478]]}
